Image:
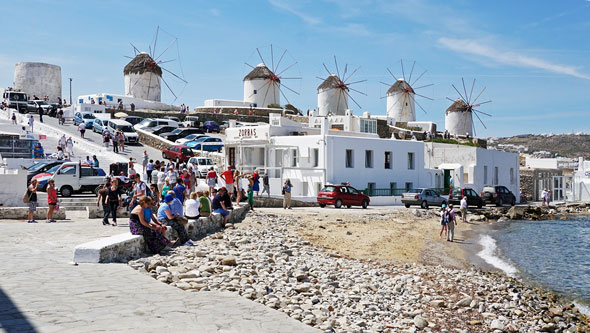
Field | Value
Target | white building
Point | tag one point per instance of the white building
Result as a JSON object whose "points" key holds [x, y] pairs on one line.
{"points": [[332, 96], [459, 118], [262, 87], [400, 102], [143, 78], [112, 101], [581, 188]]}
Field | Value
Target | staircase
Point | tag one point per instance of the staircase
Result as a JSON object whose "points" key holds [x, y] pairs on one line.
{"points": [[79, 202]]}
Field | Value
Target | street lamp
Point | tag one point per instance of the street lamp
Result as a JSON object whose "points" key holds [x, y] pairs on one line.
{"points": [[70, 91]]}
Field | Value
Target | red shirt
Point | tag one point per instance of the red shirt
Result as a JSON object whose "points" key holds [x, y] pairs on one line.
{"points": [[229, 176], [51, 195], [211, 174]]}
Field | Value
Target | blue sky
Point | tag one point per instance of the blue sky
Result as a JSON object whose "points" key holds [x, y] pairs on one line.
{"points": [[533, 57]]}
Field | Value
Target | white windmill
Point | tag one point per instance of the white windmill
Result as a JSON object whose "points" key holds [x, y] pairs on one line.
{"points": [[143, 74], [401, 96], [334, 91], [459, 116], [263, 85]]}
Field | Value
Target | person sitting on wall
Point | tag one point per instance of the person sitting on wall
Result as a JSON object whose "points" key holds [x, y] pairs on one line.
{"points": [[218, 205], [167, 217]]}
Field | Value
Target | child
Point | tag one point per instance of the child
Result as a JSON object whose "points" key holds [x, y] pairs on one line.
{"points": [[444, 217]]}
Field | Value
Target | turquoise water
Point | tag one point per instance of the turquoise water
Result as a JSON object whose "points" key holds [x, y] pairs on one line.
{"points": [[553, 253]]}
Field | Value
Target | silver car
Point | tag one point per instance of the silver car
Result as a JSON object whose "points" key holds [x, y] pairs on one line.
{"points": [[423, 197]]}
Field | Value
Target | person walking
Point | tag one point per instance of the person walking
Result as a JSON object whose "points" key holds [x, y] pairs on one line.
{"points": [[106, 138], [102, 199], [149, 170], [172, 176], [31, 123], [228, 178], [62, 142], [256, 182], [31, 198], [116, 142], [452, 222], [82, 129], [443, 220], [70, 147], [13, 118], [40, 112], [51, 200], [121, 142], [161, 178], [265, 184], [144, 162], [287, 187], [211, 179], [463, 206], [113, 201]]}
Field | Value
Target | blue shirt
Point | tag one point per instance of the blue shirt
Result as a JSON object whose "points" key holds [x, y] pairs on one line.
{"points": [[176, 207], [179, 192], [147, 213], [162, 211]]}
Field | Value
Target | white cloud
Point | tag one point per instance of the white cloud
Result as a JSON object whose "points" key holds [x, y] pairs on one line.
{"points": [[288, 8], [473, 47]]}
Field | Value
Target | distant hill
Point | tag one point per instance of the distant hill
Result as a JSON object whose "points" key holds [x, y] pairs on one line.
{"points": [[566, 145]]}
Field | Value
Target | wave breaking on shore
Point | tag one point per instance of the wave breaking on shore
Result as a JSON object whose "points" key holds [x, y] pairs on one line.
{"points": [[489, 254]]}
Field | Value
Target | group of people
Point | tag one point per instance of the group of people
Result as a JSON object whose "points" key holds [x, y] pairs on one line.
{"points": [[448, 221], [65, 146], [31, 199], [545, 197], [118, 140], [184, 109]]}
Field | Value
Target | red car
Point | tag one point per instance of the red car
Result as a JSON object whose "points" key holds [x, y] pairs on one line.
{"points": [[178, 153], [339, 195]]}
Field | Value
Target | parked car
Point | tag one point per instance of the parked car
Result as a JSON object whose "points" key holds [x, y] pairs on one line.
{"points": [[99, 125], [40, 168], [202, 165], [117, 124], [160, 129], [180, 133], [133, 120], [178, 153], [189, 138], [33, 106], [339, 195], [176, 119], [72, 177], [224, 125], [457, 193], [211, 126], [498, 195], [206, 143], [191, 121], [423, 197], [149, 122], [86, 118]]}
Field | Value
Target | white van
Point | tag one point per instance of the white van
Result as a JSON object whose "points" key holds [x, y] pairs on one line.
{"points": [[150, 122], [74, 177], [117, 124]]}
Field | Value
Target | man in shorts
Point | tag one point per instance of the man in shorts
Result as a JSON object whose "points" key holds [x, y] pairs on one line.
{"points": [[228, 177]]}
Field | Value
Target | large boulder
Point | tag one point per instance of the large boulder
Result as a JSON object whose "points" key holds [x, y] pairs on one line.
{"points": [[517, 212]]}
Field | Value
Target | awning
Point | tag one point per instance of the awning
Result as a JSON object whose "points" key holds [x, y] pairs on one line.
{"points": [[449, 166]]}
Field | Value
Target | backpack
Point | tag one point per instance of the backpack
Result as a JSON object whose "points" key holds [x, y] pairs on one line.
{"points": [[148, 190], [26, 196]]}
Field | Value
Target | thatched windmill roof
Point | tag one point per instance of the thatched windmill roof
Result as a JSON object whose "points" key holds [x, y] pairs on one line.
{"points": [[142, 63], [260, 72], [458, 105], [331, 82], [400, 86]]}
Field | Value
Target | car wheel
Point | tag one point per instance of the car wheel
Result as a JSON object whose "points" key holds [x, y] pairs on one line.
{"points": [[407, 205], [424, 204], [338, 203], [322, 205], [66, 191], [365, 204], [348, 206], [164, 156], [500, 202]]}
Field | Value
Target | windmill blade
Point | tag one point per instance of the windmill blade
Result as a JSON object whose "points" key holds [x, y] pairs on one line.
{"points": [[392, 105], [317, 77], [166, 49], [432, 99], [287, 68], [135, 49], [482, 103], [419, 77], [128, 57], [165, 62], [290, 78], [279, 62], [392, 74], [347, 94], [285, 96], [266, 93], [481, 121], [326, 68], [351, 74], [465, 90], [178, 77], [336, 63], [338, 103], [247, 64], [481, 92], [356, 82], [403, 73], [260, 55], [387, 84], [428, 85], [360, 92], [464, 100], [477, 110], [472, 85], [420, 106], [293, 91], [166, 83], [450, 100], [155, 41], [411, 71], [150, 48], [345, 69], [272, 59]]}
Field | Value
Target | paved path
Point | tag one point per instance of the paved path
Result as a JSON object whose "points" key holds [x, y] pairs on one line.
{"points": [[42, 291]]}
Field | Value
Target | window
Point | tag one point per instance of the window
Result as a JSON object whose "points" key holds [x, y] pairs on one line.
{"points": [[315, 157], [349, 158], [70, 170], [512, 182], [368, 158], [294, 155], [410, 161], [409, 186], [387, 160], [368, 126], [495, 175], [485, 174], [89, 172], [254, 92], [353, 190], [371, 188], [392, 187]]}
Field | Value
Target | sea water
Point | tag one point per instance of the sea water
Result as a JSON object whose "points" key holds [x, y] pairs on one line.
{"points": [[552, 253]]}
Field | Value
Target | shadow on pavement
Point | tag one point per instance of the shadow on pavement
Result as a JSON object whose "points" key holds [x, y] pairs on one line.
{"points": [[11, 319]]}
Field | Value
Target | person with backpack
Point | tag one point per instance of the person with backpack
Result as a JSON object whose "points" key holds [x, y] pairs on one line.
{"points": [[30, 198], [140, 189]]}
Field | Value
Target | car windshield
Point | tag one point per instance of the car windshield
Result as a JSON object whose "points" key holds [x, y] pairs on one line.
{"points": [[17, 97], [145, 121], [176, 131], [205, 161], [54, 169], [328, 189], [37, 166], [125, 128], [190, 136], [88, 116]]}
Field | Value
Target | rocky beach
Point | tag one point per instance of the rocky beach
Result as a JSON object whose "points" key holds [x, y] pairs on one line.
{"points": [[361, 271]]}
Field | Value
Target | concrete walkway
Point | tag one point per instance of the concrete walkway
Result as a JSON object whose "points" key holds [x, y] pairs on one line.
{"points": [[42, 291]]}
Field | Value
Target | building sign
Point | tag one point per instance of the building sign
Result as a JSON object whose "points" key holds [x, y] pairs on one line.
{"points": [[247, 133]]}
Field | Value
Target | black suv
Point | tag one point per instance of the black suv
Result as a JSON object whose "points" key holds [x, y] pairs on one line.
{"points": [[458, 193], [180, 133], [498, 195]]}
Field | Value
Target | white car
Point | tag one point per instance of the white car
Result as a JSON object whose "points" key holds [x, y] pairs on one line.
{"points": [[149, 122], [128, 131], [188, 138], [202, 165], [74, 177]]}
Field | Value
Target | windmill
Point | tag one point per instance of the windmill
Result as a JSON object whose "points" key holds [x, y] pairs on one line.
{"points": [[401, 95], [143, 74], [263, 86], [334, 92], [459, 116]]}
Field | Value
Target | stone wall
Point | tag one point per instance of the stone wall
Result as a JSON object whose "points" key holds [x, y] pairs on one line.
{"points": [[20, 213], [271, 202]]}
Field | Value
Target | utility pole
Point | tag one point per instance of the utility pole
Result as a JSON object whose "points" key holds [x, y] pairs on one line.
{"points": [[70, 91]]}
